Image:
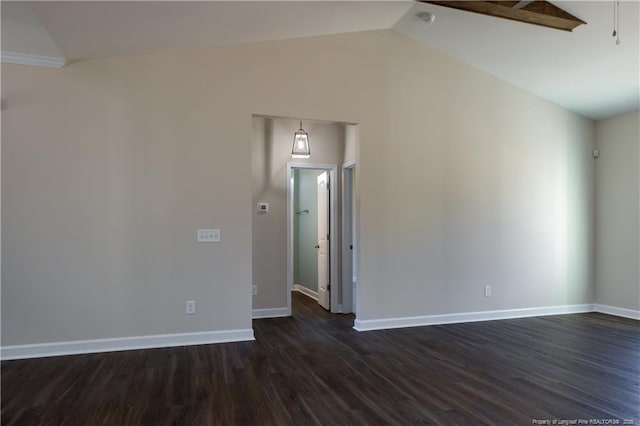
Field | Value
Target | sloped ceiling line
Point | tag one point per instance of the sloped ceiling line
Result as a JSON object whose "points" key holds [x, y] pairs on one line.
{"points": [[583, 71]]}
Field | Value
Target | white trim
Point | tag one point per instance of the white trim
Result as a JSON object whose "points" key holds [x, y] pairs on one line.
{"points": [[270, 313], [619, 312], [306, 291], [387, 323], [333, 243], [347, 219], [124, 344], [290, 226], [33, 60]]}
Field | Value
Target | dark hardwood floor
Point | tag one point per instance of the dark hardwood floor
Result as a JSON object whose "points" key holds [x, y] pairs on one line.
{"points": [[314, 369]]}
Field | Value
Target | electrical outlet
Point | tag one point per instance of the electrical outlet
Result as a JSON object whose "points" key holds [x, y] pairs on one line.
{"points": [[487, 291], [190, 307], [254, 290]]}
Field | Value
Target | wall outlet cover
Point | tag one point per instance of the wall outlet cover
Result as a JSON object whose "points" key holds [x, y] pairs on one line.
{"points": [[208, 235]]}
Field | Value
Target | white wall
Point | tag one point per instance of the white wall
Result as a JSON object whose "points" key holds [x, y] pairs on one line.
{"points": [[110, 165], [473, 182], [618, 212]]}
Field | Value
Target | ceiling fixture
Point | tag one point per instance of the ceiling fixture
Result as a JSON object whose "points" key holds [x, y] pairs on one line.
{"points": [[300, 144], [616, 20], [537, 12], [426, 17]]}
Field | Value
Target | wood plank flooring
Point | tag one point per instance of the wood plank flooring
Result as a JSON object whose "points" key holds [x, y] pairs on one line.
{"points": [[313, 369]]}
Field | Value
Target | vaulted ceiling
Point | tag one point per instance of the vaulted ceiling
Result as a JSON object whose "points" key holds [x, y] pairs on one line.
{"points": [[583, 70]]}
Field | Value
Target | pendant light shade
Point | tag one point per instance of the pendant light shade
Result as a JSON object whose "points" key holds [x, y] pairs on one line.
{"points": [[300, 144]]}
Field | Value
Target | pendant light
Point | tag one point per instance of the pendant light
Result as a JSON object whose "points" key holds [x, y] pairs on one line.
{"points": [[616, 21], [300, 144]]}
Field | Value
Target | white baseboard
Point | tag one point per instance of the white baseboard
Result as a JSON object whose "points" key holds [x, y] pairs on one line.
{"points": [[619, 312], [307, 292], [269, 313], [124, 344], [225, 336], [418, 321]]}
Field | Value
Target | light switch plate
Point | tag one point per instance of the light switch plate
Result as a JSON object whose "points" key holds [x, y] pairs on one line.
{"points": [[208, 235], [263, 207]]}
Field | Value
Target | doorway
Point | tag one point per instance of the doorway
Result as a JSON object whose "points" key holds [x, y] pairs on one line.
{"points": [[312, 233], [272, 267]]}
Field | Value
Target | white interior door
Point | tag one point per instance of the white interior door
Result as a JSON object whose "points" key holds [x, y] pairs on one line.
{"points": [[324, 298]]}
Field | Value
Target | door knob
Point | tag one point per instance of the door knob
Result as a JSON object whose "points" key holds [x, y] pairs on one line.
{"points": [[318, 246]]}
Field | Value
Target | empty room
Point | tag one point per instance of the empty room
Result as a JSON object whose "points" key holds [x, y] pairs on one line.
{"points": [[320, 212]]}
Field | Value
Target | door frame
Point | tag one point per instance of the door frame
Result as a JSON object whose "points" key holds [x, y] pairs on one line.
{"points": [[334, 230], [349, 237]]}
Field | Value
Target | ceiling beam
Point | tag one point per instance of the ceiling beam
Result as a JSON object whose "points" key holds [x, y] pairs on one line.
{"points": [[538, 12]]}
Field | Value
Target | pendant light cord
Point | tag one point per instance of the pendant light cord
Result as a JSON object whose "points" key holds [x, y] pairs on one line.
{"points": [[616, 20], [613, 3]]}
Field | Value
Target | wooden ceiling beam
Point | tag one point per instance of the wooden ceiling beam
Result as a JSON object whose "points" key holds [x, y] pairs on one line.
{"points": [[537, 12]]}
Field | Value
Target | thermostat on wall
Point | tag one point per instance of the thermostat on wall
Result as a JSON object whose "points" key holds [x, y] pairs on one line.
{"points": [[263, 207]]}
